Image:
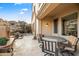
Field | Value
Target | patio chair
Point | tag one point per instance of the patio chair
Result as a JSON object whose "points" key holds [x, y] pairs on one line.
{"points": [[39, 37], [8, 48], [71, 47], [49, 48]]}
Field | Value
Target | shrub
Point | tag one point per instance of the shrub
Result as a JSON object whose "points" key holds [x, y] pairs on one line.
{"points": [[3, 41]]}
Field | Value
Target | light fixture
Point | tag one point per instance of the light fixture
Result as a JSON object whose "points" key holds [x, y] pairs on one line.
{"points": [[46, 24]]}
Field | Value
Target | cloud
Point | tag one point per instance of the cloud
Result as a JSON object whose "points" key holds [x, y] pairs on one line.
{"points": [[23, 11]]}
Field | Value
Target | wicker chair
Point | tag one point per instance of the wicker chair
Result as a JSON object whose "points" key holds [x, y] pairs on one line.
{"points": [[71, 47]]}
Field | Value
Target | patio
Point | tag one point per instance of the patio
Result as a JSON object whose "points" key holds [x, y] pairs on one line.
{"points": [[29, 47]]}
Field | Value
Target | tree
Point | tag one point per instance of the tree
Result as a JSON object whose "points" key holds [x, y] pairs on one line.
{"points": [[28, 28], [22, 26]]}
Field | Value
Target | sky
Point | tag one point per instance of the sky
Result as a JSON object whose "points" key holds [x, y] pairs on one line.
{"points": [[16, 11]]}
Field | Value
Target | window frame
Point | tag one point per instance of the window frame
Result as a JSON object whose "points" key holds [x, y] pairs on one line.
{"points": [[67, 20], [55, 25]]}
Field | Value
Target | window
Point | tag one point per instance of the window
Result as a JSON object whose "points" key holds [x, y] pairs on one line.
{"points": [[55, 25], [70, 24]]}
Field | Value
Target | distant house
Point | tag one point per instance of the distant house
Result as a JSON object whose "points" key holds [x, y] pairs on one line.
{"points": [[4, 29], [55, 19], [17, 26], [12, 26]]}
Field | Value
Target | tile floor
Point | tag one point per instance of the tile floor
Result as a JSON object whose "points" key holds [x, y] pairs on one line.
{"points": [[27, 47]]}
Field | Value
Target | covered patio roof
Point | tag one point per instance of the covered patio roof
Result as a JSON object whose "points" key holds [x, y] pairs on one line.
{"points": [[55, 9]]}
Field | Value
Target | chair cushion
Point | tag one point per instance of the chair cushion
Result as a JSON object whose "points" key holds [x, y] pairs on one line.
{"points": [[10, 41], [69, 49], [72, 40]]}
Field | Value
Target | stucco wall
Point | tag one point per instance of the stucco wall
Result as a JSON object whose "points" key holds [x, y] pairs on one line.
{"points": [[46, 29], [4, 32]]}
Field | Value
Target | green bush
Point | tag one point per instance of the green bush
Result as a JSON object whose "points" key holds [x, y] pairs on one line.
{"points": [[3, 41]]}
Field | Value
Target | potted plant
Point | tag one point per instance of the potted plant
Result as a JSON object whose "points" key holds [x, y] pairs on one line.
{"points": [[3, 41]]}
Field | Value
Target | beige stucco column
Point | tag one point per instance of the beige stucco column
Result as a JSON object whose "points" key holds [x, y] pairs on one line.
{"points": [[36, 26], [78, 25], [52, 28], [39, 27], [59, 26]]}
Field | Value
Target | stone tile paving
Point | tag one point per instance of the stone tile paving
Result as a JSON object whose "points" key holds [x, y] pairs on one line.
{"points": [[27, 47]]}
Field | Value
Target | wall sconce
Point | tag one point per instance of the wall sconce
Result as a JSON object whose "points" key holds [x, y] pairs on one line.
{"points": [[46, 24]]}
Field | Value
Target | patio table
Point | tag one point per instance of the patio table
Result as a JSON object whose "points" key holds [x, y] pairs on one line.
{"points": [[55, 39]]}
